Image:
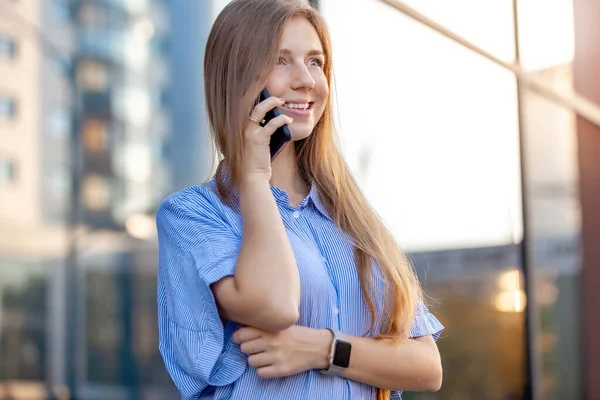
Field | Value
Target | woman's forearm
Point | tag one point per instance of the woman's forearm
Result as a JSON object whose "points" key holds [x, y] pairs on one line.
{"points": [[266, 277], [413, 365], [266, 265]]}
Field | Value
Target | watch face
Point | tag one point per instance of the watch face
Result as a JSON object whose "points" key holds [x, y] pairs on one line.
{"points": [[342, 354]]}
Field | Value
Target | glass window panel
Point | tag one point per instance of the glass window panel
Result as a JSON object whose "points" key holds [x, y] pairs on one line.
{"points": [[431, 132], [104, 327], [7, 169], [93, 76], [8, 47], [60, 10], [547, 50], [59, 123], [95, 135], [8, 107], [432, 135], [96, 193], [92, 15], [23, 292], [555, 223]]}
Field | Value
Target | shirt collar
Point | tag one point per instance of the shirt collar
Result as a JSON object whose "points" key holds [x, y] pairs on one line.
{"points": [[316, 200], [281, 196]]}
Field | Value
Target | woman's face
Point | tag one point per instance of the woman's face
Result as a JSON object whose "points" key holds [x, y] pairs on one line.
{"points": [[299, 78]]}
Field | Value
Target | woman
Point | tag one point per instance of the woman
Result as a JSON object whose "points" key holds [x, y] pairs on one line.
{"points": [[276, 279]]}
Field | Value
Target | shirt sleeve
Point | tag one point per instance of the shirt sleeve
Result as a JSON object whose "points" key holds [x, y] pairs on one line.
{"points": [[425, 323], [195, 249]]}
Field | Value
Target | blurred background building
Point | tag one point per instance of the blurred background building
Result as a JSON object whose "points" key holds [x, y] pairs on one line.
{"points": [[495, 194]]}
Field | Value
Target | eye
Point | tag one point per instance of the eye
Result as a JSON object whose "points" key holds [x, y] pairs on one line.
{"points": [[316, 62]]}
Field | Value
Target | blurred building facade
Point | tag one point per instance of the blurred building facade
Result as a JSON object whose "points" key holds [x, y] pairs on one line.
{"points": [[74, 213], [488, 200], [190, 147], [31, 238]]}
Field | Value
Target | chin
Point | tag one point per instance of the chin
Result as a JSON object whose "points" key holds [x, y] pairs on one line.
{"points": [[300, 133]]}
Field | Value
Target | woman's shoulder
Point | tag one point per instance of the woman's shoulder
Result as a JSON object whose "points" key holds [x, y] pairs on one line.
{"points": [[193, 202], [193, 216]]}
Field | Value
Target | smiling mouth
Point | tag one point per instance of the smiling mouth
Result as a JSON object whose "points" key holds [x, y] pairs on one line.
{"points": [[298, 106]]}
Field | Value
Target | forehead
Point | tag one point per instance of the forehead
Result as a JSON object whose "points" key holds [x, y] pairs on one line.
{"points": [[299, 35]]}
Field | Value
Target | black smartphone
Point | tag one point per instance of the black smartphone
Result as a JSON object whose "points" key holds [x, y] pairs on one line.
{"points": [[282, 135]]}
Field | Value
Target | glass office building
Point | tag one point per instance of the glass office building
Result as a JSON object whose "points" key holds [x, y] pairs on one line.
{"points": [[434, 133], [477, 176]]}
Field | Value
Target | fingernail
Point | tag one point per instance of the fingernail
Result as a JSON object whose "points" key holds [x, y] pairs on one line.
{"points": [[291, 120], [282, 100]]}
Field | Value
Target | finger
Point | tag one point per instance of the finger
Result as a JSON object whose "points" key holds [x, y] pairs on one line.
{"points": [[246, 334], [274, 124], [267, 105], [260, 360], [273, 371], [254, 346]]}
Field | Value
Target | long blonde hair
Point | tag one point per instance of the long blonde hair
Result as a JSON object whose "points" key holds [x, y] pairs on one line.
{"points": [[242, 48]]}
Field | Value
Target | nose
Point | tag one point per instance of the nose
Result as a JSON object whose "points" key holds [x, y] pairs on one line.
{"points": [[302, 79]]}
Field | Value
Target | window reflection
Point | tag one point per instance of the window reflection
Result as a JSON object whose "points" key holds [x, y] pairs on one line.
{"points": [[121, 335], [555, 224], [484, 348], [484, 344], [104, 328], [23, 292]]}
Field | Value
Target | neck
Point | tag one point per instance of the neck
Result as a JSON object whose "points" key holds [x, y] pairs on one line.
{"points": [[285, 174]]}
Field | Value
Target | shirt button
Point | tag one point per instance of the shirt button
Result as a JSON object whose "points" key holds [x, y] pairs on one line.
{"points": [[296, 214], [324, 259], [336, 310]]}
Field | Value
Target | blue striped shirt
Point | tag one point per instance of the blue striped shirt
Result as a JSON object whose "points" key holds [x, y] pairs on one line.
{"points": [[199, 240]]}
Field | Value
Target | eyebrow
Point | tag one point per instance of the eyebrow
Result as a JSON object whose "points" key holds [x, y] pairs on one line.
{"points": [[310, 53]]}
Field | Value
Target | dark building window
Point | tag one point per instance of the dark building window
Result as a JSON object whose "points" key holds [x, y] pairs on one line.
{"points": [[8, 107], [93, 76], [8, 169], [8, 47]]}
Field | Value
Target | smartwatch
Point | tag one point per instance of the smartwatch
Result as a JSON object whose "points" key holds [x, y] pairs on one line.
{"points": [[339, 358]]}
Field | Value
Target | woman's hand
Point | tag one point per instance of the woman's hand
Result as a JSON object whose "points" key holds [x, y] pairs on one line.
{"points": [[284, 353], [257, 156]]}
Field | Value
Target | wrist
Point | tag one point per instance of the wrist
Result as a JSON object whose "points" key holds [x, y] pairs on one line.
{"points": [[252, 180], [254, 187], [323, 340]]}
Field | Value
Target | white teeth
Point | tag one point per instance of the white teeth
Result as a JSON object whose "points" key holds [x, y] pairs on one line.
{"points": [[302, 106]]}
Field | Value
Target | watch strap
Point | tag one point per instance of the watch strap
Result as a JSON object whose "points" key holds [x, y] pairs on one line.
{"points": [[334, 370]]}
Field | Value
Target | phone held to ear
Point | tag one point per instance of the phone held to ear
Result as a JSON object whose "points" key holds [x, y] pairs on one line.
{"points": [[282, 135]]}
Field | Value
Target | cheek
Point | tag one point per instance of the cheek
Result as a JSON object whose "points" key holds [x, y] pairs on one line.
{"points": [[321, 88], [322, 91], [277, 83]]}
